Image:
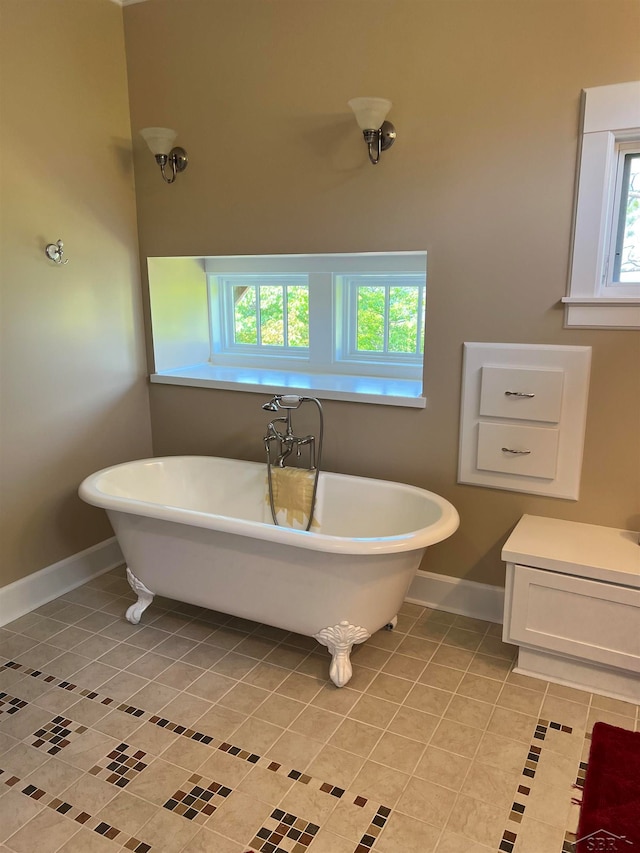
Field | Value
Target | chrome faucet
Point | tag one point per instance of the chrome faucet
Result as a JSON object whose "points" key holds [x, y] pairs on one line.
{"points": [[287, 441]]}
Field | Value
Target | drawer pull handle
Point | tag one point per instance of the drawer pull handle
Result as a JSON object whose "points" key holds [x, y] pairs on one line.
{"points": [[515, 452], [517, 394]]}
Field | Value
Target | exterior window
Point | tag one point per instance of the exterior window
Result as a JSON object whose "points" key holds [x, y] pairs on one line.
{"points": [[362, 323], [385, 317], [343, 326], [604, 283], [625, 260], [265, 311]]}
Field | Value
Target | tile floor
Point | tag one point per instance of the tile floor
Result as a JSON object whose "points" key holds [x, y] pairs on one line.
{"points": [[196, 731]]}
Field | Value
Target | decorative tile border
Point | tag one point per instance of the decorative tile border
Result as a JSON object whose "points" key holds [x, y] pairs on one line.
{"points": [[510, 836], [112, 768], [74, 813], [374, 829], [197, 802]]}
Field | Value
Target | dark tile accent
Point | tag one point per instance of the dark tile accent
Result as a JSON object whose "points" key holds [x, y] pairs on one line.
{"points": [[121, 765], [155, 719], [199, 800], [11, 704], [374, 829], [282, 826], [56, 735], [75, 814], [129, 709]]}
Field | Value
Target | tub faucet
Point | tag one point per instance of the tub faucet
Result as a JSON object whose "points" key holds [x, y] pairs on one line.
{"points": [[286, 442]]}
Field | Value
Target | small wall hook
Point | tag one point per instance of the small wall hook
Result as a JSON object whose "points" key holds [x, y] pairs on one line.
{"points": [[55, 251]]}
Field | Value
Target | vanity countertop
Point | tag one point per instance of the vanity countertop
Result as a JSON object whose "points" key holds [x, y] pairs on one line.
{"points": [[588, 550]]}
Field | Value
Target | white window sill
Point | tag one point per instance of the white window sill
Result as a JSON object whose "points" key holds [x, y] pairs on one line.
{"points": [[601, 312], [357, 389]]}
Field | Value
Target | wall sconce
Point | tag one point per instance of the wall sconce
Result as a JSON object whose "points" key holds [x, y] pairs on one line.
{"points": [[160, 141], [379, 134]]}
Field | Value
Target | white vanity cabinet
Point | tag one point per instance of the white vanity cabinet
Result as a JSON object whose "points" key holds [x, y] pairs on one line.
{"points": [[572, 604]]}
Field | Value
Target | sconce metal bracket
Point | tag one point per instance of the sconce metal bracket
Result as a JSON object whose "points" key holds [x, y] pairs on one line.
{"points": [[379, 140], [387, 135], [179, 157]]}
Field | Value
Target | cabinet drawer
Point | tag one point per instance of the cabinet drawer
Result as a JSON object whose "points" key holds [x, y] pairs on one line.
{"points": [[518, 449], [587, 619], [521, 393]]}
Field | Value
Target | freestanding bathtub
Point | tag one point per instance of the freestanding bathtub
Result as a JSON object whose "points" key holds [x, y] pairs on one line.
{"points": [[198, 529]]}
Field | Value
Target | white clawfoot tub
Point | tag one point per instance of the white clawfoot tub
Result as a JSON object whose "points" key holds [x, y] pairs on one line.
{"points": [[198, 529]]}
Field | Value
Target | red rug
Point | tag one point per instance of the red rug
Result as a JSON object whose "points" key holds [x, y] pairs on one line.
{"points": [[610, 811]]}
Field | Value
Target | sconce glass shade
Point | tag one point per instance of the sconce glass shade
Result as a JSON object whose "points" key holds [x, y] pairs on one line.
{"points": [[159, 139], [370, 112]]}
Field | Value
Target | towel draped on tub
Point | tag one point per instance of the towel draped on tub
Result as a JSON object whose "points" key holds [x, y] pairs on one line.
{"points": [[292, 497]]}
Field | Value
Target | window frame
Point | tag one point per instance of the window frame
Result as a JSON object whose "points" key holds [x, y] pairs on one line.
{"points": [[329, 315], [611, 120], [626, 150], [347, 286], [227, 343]]}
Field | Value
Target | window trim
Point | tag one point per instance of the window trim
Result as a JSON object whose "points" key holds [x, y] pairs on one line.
{"points": [[611, 118], [346, 289], [227, 343]]}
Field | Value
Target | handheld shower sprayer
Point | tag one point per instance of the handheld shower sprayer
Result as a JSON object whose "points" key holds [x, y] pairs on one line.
{"points": [[284, 401]]}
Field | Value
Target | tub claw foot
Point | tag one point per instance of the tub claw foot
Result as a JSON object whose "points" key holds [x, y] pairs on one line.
{"points": [[340, 639], [145, 597], [392, 624]]}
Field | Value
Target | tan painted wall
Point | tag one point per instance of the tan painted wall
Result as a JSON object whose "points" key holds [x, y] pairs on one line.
{"points": [[486, 104], [180, 326], [74, 396]]}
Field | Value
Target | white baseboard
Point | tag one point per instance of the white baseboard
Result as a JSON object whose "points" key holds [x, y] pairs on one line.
{"points": [[24, 595], [457, 595]]}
